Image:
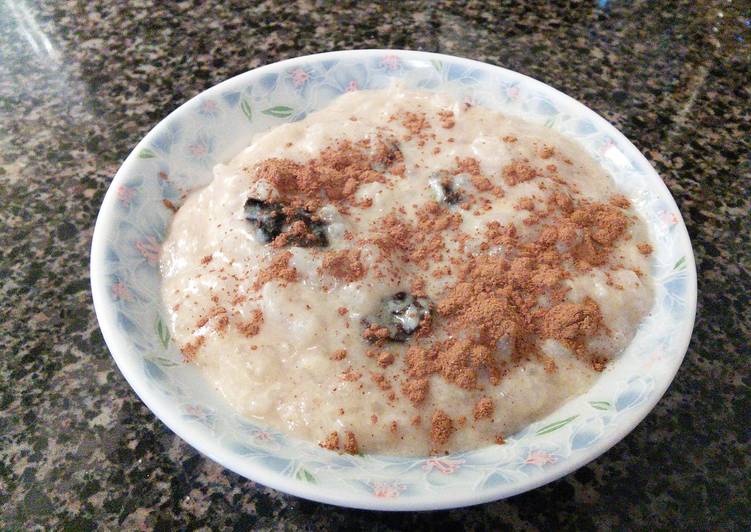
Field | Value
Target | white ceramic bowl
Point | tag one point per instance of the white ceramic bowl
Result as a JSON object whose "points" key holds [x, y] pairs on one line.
{"points": [[178, 155]]}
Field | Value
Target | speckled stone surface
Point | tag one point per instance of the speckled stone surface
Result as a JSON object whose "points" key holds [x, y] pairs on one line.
{"points": [[82, 82]]}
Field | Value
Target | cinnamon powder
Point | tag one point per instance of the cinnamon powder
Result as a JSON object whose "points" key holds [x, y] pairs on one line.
{"points": [[331, 442], [483, 409], [350, 443], [279, 270], [344, 265], [441, 428], [253, 325]]}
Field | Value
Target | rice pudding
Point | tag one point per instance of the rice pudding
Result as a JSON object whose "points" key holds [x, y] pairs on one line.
{"points": [[400, 273]]}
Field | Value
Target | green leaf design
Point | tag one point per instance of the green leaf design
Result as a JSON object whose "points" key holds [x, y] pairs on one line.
{"points": [[246, 109], [280, 111], [165, 362], [162, 332], [550, 122], [600, 405], [547, 429], [146, 154], [681, 264], [437, 65], [154, 371], [307, 476]]}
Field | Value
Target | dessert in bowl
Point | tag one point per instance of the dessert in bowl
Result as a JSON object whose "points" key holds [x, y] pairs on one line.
{"points": [[465, 279]]}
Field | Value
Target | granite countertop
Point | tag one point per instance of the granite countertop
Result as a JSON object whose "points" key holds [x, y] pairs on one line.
{"points": [[82, 82]]}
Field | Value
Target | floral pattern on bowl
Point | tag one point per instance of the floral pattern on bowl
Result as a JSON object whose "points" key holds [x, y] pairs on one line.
{"points": [[177, 156]]}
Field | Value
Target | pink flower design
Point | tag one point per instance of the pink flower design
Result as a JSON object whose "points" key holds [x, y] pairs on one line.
{"points": [[387, 490], [198, 150], [391, 62], [125, 194], [668, 218], [193, 410], [445, 466], [262, 435], [653, 359], [351, 86], [120, 291], [513, 92], [208, 107], [299, 77], [540, 458], [149, 249], [609, 143]]}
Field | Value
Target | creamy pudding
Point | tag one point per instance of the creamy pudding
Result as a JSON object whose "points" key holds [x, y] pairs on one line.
{"points": [[401, 273]]}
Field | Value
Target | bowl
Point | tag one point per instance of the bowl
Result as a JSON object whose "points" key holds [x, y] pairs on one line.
{"points": [[177, 156]]}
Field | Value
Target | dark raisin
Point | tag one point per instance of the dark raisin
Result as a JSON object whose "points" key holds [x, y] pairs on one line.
{"points": [[450, 194], [401, 314], [387, 153], [273, 219], [267, 217], [445, 189]]}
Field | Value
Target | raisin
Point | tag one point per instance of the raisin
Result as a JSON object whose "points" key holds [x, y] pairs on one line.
{"points": [[386, 155], [401, 314], [274, 219], [267, 217], [450, 194], [445, 189]]}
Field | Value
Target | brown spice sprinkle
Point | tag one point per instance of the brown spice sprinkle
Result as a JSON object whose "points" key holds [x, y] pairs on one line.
{"points": [[190, 349], [279, 270], [171, 206], [526, 204], [344, 265], [549, 364], [350, 443], [467, 165], [381, 380], [619, 200], [572, 323], [496, 300], [298, 232], [518, 171], [205, 260], [331, 442], [546, 152], [336, 173], [447, 119], [339, 354], [644, 248], [416, 390], [441, 428], [484, 409], [385, 359], [415, 123], [253, 325], [350, 375], [375, 334], [219, 317]]}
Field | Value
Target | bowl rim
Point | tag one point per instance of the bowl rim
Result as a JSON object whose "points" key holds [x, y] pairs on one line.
{"points": [[203, 443]]}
